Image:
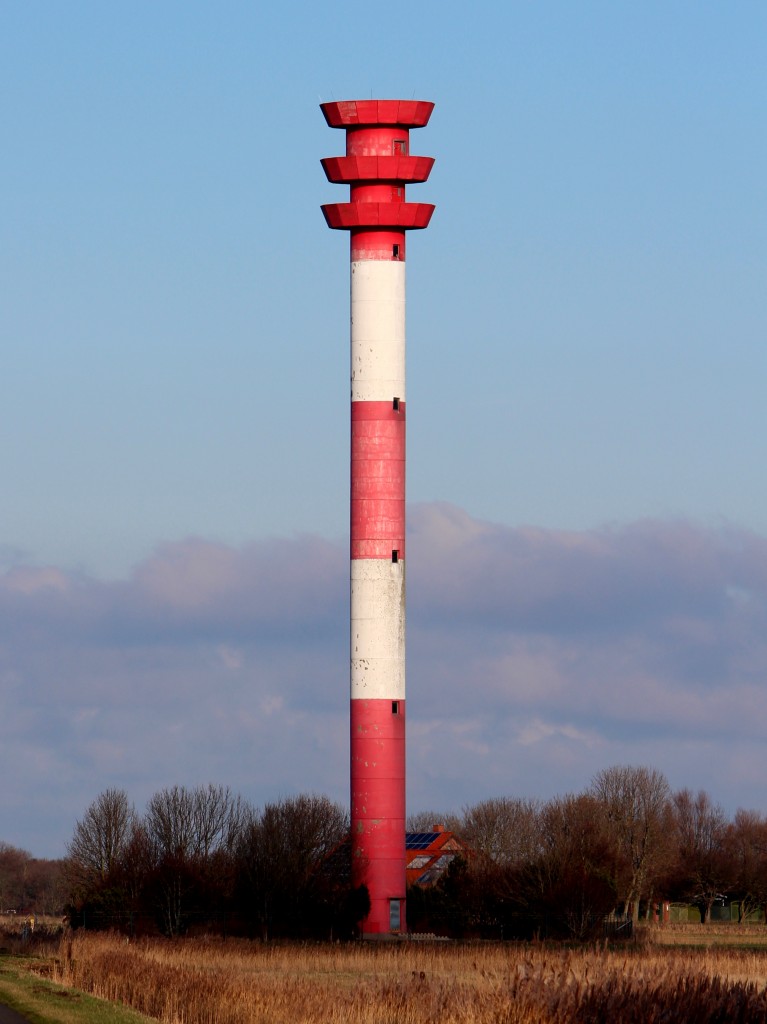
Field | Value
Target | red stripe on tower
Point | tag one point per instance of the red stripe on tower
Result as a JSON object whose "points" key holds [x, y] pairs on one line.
{"points": [[377, 167]]}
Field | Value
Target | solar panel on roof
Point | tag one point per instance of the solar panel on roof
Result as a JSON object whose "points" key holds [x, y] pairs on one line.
{"points": [[419, 840]]}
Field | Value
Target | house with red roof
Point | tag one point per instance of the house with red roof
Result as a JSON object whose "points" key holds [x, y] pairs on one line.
{"points": [[429, 854]]}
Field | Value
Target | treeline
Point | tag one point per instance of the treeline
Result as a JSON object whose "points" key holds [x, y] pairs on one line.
{"points": [[204, 859], [30, 883], [560, 867]]}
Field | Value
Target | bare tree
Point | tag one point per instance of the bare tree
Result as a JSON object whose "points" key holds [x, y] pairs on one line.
{"points": [[704, 872], [194, 822], [567, 885], [169, 822], [218, 818], [99, 838], [280, 851], [190, 831], [636, 806], [746, 843], [505, 830]]}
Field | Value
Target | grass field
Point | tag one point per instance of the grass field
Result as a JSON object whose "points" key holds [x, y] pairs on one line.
{"points": [[741, 936], [215, 981]]}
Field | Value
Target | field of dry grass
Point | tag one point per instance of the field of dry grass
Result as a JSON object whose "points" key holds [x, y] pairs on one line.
{"points": [[740, 935], [212, 981]]}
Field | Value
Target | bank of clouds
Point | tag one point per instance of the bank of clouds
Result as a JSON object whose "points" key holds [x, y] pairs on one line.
{"points": [[535, 658]]}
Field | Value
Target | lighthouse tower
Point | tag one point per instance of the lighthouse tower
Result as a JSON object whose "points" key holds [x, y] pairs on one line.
{"points": [[377, 168]]}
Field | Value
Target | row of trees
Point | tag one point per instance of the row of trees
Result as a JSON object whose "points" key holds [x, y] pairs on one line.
{"points": [[204, 857], [625, 843], [29, 882]]}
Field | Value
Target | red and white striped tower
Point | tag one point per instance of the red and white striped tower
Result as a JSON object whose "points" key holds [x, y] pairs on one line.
{"points": [[377, 167]]}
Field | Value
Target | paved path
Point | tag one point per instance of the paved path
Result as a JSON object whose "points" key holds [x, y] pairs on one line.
{"points": [[9, 1016]]}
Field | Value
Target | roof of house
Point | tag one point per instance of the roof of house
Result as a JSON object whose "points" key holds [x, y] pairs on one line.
{"points": [[429, 854]]}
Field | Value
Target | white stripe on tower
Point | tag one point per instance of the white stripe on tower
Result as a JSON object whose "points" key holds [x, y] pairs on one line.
{"points": [[378, 330]]}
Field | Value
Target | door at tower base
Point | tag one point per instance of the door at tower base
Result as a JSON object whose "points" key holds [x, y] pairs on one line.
{"points": [[395, 915]]}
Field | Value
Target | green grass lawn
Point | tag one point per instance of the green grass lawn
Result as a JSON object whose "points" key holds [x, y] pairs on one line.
{"points": [[43, 1002]]}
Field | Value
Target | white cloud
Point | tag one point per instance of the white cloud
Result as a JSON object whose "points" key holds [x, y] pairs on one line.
{"points": [[538, 731]]}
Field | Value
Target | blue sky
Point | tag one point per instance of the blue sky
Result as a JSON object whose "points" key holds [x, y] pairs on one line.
{"points": [[586, 327]]}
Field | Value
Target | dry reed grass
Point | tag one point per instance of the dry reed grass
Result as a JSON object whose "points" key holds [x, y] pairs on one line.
{"points": [[714, 934], [211, 981]]}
